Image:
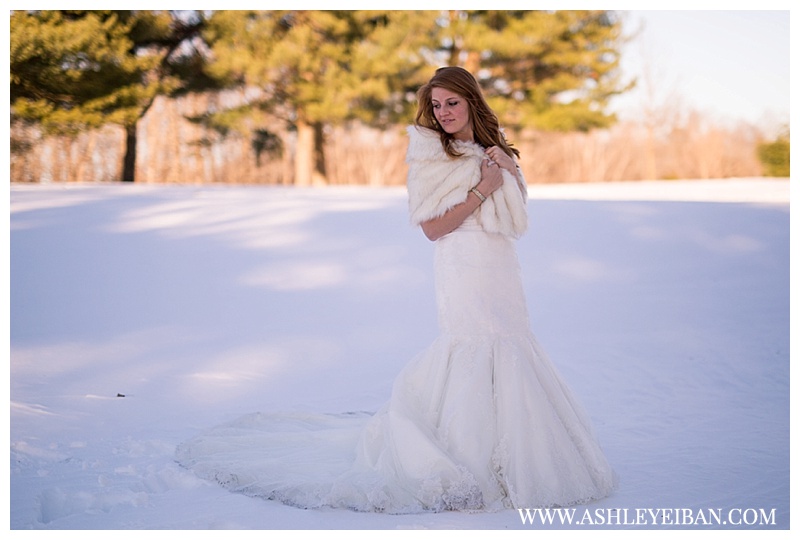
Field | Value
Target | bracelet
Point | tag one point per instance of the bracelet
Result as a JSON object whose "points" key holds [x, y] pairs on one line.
{"points": [[478, 194]]}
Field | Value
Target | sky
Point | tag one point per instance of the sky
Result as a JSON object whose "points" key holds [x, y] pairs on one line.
{"points": [[733, 64]]}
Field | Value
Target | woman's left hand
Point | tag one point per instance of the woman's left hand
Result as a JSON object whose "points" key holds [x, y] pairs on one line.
{"points": [[496, 154]]}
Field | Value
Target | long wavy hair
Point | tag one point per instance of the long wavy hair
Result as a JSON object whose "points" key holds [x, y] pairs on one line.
{"points": [[485, 126]]}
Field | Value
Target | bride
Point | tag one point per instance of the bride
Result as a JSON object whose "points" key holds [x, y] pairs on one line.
{"points": [[481, 420]]}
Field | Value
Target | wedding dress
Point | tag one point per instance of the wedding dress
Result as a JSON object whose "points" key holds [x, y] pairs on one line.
{"points": [[481, 420]]}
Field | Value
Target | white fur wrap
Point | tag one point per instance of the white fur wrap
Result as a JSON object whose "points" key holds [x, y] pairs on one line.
{"points": [[437, 182]]}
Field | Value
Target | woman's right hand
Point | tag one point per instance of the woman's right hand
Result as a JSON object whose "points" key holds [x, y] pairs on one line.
{"points": [[491, 178]]}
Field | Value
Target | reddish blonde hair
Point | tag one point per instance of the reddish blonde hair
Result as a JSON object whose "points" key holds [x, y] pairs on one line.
{"points": [[485, 126]]}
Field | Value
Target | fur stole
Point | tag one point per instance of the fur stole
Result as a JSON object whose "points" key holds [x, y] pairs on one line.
{"points": [[436, 182]]}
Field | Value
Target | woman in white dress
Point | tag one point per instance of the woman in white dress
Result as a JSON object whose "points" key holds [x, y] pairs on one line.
{"points": [[481, 420]]}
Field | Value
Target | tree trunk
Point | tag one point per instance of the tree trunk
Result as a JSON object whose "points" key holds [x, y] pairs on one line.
{"points": [[473, 62], [303, 154], [320, 173], [129, 161], [309, 158]]}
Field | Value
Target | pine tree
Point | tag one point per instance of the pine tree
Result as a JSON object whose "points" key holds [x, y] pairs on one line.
{"points": [[546, 69], [775, 156], [318, 68], [552, 70], [74, 70]]}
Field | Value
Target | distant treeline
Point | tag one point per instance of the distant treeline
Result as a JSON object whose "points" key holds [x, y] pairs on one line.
{"points": [[175, 150], [321, 97]]}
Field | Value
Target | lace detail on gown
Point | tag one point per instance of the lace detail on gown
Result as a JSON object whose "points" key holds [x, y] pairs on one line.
{"points": [[479, 421]]}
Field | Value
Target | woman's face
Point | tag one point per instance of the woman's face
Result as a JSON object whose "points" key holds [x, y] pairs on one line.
{"points": [[452, 113]]}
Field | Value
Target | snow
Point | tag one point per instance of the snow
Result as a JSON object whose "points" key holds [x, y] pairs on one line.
{"points": [[142, 314]]}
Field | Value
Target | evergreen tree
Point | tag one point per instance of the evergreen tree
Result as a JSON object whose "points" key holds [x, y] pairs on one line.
{"points": [[73, 70], [775, 156], [553, 70], [317, 68]]}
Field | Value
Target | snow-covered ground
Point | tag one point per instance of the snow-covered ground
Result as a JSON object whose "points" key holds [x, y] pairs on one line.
{"points": [[141, 315]]}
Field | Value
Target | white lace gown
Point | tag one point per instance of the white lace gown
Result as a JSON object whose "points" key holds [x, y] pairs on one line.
{"points": [[480, 421]]}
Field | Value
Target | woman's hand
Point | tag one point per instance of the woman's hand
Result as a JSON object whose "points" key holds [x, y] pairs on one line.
{"points": [[491, 181], [491, 178], [496, 154]]}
